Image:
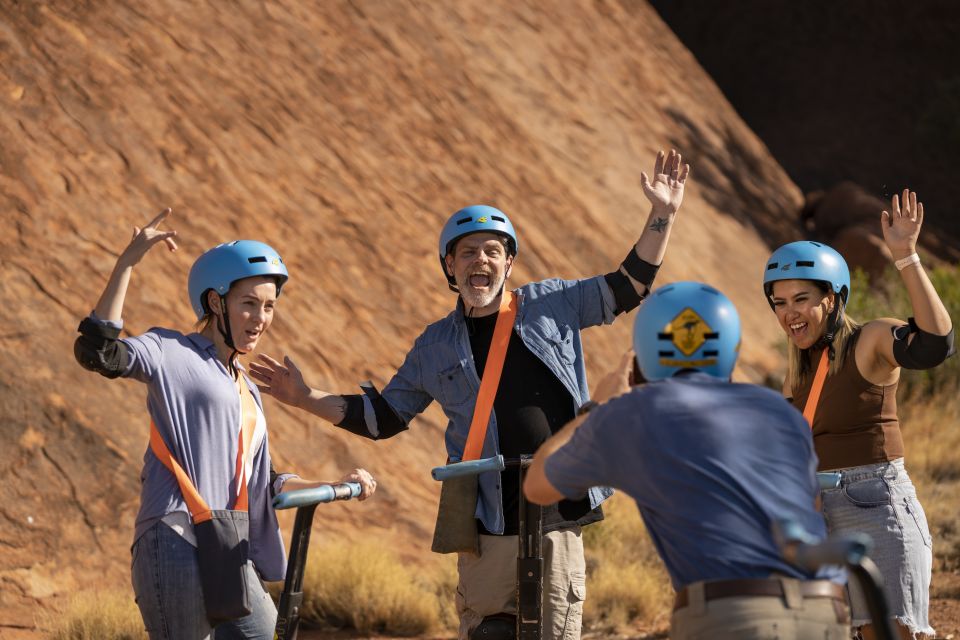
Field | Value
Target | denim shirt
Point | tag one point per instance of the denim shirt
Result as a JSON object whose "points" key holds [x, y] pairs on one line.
{"points": [[440, 367]]}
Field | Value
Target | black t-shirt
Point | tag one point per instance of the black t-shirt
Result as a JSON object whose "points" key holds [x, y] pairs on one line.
{"points": [[531, 405]]}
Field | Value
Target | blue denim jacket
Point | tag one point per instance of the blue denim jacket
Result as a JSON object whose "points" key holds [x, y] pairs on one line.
{"points": [[440, 367]]}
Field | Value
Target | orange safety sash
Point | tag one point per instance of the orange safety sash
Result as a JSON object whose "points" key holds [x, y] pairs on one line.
{"points": [[199, 509], [810, 408], [491, 377]]}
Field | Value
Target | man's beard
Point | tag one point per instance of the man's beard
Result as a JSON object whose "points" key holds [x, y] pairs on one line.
{"points": [[478, 299]]}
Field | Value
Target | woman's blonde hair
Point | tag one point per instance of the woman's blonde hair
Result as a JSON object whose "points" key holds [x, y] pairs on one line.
{"points": [[799, 365]]}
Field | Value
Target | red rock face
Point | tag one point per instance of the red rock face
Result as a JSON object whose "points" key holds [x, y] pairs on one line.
{"points": [[343, 134]]}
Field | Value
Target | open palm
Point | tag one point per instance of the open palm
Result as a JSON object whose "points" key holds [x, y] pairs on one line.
{"points": [[901, 225], [665, 191]]}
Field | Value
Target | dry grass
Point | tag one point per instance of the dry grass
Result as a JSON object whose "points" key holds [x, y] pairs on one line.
{"points": [[367, 588], [626, 581], [110, 615], [932, 442]]}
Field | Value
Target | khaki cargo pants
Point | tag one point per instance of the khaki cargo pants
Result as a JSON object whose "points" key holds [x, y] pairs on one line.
{"points": [[760, 618], [488, 584]]}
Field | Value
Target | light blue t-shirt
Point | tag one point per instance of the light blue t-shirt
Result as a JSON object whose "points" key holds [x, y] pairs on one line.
{"points": [[710, 464]]}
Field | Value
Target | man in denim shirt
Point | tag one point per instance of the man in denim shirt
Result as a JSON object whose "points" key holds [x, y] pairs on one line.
{"points": [[542, 387]]}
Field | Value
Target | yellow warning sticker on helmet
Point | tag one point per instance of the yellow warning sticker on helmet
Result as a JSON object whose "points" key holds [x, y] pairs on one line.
{"points": [[689, 331], [482, 220], [275, 262]]}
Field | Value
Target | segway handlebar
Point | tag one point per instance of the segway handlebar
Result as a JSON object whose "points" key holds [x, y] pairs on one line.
{"points": [[800, 548], [469, 468], [317, 495]]}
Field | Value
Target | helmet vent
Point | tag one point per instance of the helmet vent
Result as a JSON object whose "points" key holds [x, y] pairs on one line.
{"points": [[805, 263], [711, 336], [666, 354], [772, 266], [464, 220], [711, 354], [257, 259], [498, 219], [664, 336]]}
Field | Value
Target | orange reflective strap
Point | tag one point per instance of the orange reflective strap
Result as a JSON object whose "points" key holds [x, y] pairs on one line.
{"points": [[491, 377], [810, 408], [199, 509], [197, 505]]}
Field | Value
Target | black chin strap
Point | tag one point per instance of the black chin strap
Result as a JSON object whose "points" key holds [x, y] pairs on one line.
{"points": [[223, 326], [834, 321]]}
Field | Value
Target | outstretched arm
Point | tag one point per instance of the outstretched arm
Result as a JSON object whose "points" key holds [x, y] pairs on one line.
{"points": [[285, 383], [926, 342], [110, 305], [537, 486], [633, 280], [901, 229], [368, 484], [98, 347]]}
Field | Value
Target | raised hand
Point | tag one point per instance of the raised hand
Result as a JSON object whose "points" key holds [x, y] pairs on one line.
{"points": [[901, 228], [665, 191], [617, 382], [282, 381], [368, 483], [144, 239]]}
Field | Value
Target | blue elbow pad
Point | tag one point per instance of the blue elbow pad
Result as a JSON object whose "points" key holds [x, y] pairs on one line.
{"points": [[924, 351]]}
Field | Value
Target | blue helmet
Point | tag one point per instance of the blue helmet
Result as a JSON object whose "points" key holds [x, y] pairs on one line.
{"points": [[226, 263], [807, 260], [475, 219], [686, 325]]}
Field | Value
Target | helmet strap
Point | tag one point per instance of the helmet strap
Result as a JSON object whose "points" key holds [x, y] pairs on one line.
{"points": [[223, 326], [834, 322]]}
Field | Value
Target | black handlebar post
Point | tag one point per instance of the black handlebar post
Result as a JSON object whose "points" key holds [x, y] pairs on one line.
{"points": [[305, 501]]}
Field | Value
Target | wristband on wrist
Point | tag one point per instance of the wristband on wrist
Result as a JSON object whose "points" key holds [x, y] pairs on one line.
{"points": [[903, 263]]}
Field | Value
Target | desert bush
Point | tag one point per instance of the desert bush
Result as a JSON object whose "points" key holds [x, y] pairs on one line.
{"points": [[367, 588], [626, 581], [110, 615]]}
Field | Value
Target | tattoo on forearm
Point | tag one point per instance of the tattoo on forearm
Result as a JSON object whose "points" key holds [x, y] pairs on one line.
{"points": [[659, 225]]}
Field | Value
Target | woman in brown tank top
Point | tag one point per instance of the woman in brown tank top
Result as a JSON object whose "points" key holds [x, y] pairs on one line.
{"points": [[853, 415]]}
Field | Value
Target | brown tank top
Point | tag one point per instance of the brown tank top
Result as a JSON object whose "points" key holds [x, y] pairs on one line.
{"points": [[856, 421]]}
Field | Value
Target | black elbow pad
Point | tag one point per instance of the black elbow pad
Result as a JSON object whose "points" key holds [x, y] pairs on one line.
{"points": [[98, 349], [389, 422], [924, 351], [624, 294]]}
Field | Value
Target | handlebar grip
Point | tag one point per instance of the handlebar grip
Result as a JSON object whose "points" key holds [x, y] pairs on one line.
{"points": [[846, 549], [469, 468], [317, 495], [802, 549]]}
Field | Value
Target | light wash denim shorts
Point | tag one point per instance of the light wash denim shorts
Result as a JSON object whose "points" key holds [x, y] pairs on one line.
{"points": [[879, 499]]}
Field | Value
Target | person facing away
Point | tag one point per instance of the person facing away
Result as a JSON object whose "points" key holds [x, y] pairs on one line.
{"points": [[711, 465], [855, 426], [542, 386], [198, 399]]}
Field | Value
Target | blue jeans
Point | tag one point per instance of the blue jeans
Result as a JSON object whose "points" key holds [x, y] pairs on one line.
{"points": [[166, 581]]}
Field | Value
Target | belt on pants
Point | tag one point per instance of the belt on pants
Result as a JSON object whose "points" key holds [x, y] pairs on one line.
{"points": [[762, 587]]}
